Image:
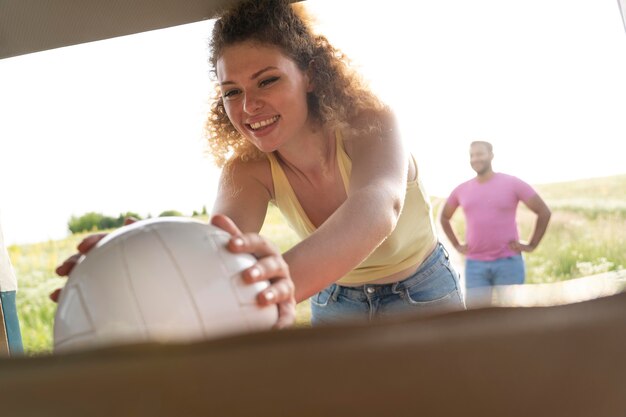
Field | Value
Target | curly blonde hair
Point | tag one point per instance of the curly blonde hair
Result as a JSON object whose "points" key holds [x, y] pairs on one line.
{"points": [[339, 96]]}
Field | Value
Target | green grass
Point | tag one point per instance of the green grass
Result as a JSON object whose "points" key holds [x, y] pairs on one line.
{"points": [[591, 198], [34, 267], [585, 236]]}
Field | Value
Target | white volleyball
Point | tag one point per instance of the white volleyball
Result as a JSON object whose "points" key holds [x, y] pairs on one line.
{"points": [[168, 279]]}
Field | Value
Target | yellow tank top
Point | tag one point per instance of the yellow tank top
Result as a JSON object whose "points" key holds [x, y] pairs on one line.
{"points": [[409, 244]]}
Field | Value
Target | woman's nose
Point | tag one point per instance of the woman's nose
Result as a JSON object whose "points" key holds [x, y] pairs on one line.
{"points": [[252, 103]]}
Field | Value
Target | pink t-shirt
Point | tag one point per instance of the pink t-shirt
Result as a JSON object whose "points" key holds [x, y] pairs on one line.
{"points": [[490, 209]]}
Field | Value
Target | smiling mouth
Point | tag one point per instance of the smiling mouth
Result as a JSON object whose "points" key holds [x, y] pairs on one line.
{"points": [[263, 123]]}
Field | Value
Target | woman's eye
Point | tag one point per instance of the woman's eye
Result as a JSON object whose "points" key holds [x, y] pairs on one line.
{"points": [[268, 81], [230, 94]]}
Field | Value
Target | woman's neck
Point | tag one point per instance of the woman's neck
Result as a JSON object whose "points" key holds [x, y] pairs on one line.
{"points": [[311, 153]]}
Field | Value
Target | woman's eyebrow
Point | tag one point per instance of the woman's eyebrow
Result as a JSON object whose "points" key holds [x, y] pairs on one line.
{"points": [[253, 76], [258, 73]]}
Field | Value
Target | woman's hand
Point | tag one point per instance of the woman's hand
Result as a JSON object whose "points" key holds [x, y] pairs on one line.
{"points": [[270, 267], [83, 247], [66, 267]]}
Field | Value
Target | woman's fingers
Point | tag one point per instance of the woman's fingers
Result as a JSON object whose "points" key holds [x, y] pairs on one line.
{"points": [[130, 220], [225, 223], [54, 295], [270, 266], [89, 242], [286, 314], [64, 270], [66, 267], [254, 244], [274, 269], [251, 243], [280, 290], [83, 247]]}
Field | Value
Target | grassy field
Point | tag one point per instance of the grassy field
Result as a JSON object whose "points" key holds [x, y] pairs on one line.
{"points": [[587, 233], [586, 236], [34, 267]]}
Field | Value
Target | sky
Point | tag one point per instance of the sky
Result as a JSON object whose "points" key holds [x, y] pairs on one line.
{"points": [[116, 125]]}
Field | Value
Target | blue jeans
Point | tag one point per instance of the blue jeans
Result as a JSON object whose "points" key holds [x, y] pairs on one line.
{"points": [[11, 323], [503, 271], [434, 287]]}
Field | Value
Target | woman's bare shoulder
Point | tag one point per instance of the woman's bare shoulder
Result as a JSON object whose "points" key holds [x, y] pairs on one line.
{"points": [[373, 124], [248, 170]]}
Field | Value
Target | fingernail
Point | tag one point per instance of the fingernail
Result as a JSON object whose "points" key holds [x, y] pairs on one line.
{"points": [[254, 272], [238, 241], [54, 296], [269, 296], [60, 270]]}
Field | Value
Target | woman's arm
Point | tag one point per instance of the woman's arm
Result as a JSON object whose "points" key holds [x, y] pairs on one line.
{"points": [[243, 194], [240, 208], [369, 214]]}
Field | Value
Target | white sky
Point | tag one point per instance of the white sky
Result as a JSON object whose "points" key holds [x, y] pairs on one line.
{"points": [[116, 125]]}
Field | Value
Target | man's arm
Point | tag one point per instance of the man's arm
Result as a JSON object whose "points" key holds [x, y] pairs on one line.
{"points": [[446, 215], [540, 208]]}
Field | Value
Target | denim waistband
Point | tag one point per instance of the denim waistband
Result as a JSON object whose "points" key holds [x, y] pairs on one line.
{"points": [[430, 265]]}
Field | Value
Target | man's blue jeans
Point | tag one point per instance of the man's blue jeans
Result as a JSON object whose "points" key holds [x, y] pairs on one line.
{"points": [[503, 271]]}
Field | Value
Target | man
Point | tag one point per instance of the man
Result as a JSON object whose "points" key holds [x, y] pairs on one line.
{"points": [[493, 249]]}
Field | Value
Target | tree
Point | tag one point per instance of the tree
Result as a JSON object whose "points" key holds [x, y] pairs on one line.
{"points": [[85, 223], [168, 213]]}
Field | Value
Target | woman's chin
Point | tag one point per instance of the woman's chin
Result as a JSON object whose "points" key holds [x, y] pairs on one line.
{"points": [[265, 146]]}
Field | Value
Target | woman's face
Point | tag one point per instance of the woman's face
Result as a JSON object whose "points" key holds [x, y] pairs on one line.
{"points": [[264, 93]]}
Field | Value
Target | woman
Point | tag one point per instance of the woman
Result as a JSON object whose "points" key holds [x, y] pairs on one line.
{"points": [[293, 125], [307, 135]]}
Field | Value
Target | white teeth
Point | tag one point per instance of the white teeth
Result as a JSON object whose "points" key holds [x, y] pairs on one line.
{"points": [[263, 123]]}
